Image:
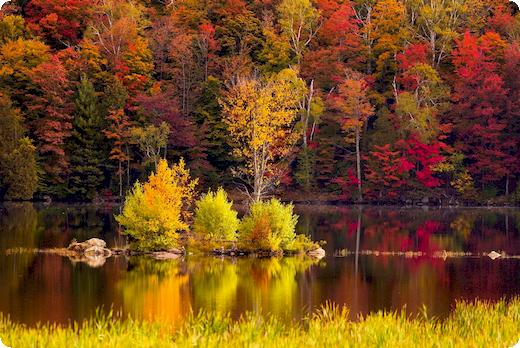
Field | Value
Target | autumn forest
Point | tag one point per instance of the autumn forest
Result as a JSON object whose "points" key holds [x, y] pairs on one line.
{"points": [[389, 101]]}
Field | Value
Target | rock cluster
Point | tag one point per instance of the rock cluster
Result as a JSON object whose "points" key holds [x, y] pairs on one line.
{"points": [[92, 252], [317, 253]]}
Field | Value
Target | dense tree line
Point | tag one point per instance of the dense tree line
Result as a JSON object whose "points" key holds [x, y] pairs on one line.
{"points": [[374, 100]]}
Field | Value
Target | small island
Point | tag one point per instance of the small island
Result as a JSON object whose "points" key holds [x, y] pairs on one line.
{"points": [[163, 216]]}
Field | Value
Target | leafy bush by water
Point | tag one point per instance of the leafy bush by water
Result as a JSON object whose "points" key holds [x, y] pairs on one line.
{"points": [[154, 212], [301, 243], [270, 225], [215, 216]]}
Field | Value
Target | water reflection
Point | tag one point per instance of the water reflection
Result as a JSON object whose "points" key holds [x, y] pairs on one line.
{"points": [[155, 290], [171, 290], [473, 230], [277, 286], [38, 287], [18, 226], [214, 283]]}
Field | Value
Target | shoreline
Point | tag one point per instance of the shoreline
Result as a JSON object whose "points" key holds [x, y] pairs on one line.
{"points": [[475, 323], [302, 203]]}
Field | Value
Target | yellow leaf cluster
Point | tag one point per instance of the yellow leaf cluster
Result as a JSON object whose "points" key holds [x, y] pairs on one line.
{"points": [[154, 212], [388, 28], [18, 58], [260, 115], [183, 179], [463, 182]]}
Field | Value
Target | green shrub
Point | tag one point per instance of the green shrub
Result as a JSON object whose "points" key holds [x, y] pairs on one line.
{"points": [[215, 217], [301, 243], [270, 225], [489, 192]]}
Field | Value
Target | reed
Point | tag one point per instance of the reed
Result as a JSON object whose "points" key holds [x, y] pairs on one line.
{"points": [[479, 324]]}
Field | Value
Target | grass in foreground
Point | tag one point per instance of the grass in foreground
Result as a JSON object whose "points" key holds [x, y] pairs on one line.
{"points": [[470, 325]]}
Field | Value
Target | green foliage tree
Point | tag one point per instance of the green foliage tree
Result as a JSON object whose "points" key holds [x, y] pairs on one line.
{"points": [[18, 169], [151, 140], [300, 21], [240, 33], [215, 216], [305, 173], [424, 96], [10, 124], [438, 23], [389, 32], [311, 108], [275, 53], [210, 120]]}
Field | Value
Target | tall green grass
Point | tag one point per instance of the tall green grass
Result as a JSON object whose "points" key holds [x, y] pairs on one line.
{"points": [[470, 325]]}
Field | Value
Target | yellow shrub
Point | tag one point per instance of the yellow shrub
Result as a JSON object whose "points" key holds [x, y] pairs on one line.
{"points": [[154, 212], [261, 233]]}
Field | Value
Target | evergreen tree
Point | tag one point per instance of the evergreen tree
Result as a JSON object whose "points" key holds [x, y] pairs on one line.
{"points": [[305, 173], [85, 146], [216, 137]]}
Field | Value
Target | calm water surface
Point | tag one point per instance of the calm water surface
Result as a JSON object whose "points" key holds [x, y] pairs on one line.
{"points": [[39, 288]]}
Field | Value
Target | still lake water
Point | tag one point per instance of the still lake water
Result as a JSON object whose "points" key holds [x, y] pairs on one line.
{"points": [[40, 288]]}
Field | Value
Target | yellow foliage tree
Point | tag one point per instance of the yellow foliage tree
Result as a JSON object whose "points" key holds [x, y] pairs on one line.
{"points": [[154, 212], [188, 185], [276, 50], [439, 22], [300, 20], [389, 31], [260, 115]]}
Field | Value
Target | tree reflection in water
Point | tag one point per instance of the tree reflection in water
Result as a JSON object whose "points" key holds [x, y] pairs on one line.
{"points": [[155, 290], [39, 287], [170, 290], [18, 227]]}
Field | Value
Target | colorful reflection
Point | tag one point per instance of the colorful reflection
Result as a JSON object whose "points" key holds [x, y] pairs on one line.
{"points": [[473, 230], [155, 290], [38, 288], [169, 291]]}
